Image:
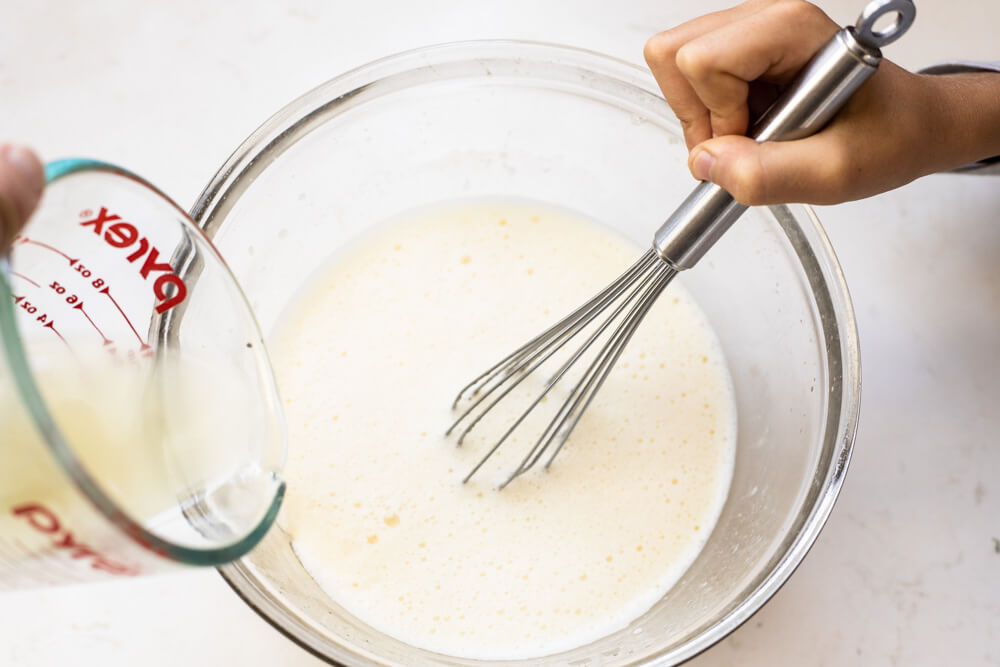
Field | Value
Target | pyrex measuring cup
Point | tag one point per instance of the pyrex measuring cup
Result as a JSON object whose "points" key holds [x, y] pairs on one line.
{"points": [[141, 423]]}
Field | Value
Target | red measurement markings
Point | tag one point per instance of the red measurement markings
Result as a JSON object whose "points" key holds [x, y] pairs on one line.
{"points": [[142, 343], [99, 284], [42, 318], [24, 277], [103, 288], [25, 239], [77, 304], [50, 325]]}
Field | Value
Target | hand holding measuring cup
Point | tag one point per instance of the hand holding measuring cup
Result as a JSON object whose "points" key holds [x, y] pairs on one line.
{"points": [[22, 178], [141, 422]]}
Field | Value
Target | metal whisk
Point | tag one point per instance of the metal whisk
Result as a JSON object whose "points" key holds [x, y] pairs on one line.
{"points": [[809, 103]]}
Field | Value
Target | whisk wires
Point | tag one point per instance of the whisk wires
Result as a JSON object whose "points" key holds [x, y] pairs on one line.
{"points": [[629, 297]]}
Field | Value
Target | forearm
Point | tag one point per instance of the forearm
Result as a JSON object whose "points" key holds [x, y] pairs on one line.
{"points": [[966, 109]]}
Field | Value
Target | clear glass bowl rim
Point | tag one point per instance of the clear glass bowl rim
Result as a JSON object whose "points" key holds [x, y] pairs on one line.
{"points": [[812, 246]]}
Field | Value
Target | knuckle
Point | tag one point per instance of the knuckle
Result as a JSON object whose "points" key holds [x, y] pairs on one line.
{"points": [[748, 181], [661, 48], [694, 62], [797, 13]]}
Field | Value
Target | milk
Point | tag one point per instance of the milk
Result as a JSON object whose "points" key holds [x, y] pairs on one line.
{"points": [[369, 360]]}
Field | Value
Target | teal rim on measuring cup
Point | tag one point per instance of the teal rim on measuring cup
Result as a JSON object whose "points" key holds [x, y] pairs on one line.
{"points": [[112, 275]]}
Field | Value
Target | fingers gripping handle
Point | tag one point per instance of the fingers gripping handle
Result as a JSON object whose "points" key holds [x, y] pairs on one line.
{"points": [[812, 99], [808, 104]]}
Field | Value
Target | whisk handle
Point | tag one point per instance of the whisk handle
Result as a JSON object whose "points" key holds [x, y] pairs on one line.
{"points": [[812, 99]]}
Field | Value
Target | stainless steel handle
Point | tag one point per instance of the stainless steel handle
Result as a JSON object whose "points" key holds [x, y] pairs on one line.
{"points": [[812, 99]]}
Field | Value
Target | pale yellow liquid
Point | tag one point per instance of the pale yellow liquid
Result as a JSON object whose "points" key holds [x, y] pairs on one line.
{"points": [[147, 435], [369, 361]]}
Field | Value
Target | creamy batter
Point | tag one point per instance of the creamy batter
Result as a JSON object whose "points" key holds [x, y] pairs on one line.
{"points": [[369, 361]]}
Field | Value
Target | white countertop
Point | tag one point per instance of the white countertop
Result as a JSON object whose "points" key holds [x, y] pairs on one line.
{"points": [[907, 571]]}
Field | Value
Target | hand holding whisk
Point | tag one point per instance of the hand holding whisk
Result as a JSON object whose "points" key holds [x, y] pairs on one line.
{"points": [[811, 100]]}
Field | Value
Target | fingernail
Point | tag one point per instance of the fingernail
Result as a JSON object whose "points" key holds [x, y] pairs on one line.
{"points": [[701, 165], [27, 165]]}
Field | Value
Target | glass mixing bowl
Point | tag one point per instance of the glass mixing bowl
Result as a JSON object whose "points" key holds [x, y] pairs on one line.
{"points": [[586, 132]]}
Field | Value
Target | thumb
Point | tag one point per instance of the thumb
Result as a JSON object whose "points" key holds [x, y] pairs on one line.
{"points": [[22, 178], [774, 172]]}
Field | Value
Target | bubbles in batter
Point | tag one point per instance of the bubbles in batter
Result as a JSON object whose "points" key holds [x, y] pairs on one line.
{"points": [[369, 361]]}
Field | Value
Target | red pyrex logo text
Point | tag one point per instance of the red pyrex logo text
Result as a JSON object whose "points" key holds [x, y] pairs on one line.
{"points": [[45, 521], [121, 234]]}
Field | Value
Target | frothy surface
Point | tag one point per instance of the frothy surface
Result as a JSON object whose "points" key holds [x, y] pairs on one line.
{"points": [[369, 361]]}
